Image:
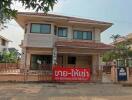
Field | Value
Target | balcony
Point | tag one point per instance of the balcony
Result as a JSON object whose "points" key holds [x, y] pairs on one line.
{"points": [[38, 40]]}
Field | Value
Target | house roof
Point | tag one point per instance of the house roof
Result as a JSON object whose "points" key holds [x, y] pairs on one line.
{"points": [[69, 19], [5, 39], [123, 39], [86, 44]]}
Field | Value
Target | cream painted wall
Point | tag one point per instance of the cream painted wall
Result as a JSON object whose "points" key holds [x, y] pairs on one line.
{"points": [[97, 35], [47, 40]]}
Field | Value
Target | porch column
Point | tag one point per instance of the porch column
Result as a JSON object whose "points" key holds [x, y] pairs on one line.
{"points": [[95, 67], [23, 59], [28, 61], [54, 56]]}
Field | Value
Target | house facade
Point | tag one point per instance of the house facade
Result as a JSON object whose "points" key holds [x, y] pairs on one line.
{"points": [[3, 43], [61, 40]]}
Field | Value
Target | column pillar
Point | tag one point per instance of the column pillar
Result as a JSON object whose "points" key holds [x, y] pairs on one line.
{"points": [[95, 67], [28, 58], [54, 56]]}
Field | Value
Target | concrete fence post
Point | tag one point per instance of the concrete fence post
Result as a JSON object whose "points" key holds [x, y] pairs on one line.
{"points": [[114, 73], [128, 74]]}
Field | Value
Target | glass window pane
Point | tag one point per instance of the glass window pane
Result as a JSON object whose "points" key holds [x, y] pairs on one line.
{"points": [[65, 32], [75, 34], [35, 28], [85, 35], [62, 32], [89, 35], [78, 35], [45, 28]]}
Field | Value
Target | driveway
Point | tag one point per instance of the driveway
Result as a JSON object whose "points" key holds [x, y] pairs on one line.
{"points": [[68, 91]]}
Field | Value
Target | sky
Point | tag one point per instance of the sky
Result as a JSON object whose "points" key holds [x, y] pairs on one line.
{"points": [[117, 12]]}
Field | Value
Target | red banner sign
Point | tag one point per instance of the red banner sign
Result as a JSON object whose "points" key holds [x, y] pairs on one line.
{"points": [[71, 74]]}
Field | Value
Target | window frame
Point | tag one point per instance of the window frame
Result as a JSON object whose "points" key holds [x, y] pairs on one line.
{"points": [[62, 28], [82, 35], [40, 28]]}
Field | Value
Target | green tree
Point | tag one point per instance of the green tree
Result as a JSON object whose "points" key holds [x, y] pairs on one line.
{"points": [[9, 57], [7, 12], [115, 37], [121, 50]]}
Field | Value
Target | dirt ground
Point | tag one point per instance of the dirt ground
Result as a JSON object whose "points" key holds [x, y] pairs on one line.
{"points": [[68, 91]]}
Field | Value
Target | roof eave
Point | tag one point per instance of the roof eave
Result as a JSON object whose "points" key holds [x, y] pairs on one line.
{"points": [[103, 25]]}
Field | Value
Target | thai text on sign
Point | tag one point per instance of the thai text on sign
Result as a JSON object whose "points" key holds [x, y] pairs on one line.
{"points": [[71, 74]]}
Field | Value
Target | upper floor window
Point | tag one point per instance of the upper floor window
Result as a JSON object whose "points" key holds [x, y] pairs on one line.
{"points": [[3, 42], [62, 32], [82, 35], [41, 28]]}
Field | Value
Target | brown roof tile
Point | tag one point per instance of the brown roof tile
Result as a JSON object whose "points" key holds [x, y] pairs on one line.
{"points": [[68, 18], [86, 44]]}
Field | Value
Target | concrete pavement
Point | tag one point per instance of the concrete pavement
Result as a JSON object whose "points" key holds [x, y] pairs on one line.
{"points": [[73, 91]]}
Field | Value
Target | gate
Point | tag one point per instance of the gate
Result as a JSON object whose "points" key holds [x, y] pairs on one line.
{"points": [[45, 73], [106, 74]]}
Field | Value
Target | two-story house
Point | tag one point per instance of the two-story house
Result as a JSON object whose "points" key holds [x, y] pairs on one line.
{"points": [[4, 42], [62, 40]]}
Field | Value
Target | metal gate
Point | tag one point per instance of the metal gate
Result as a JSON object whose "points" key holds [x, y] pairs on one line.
{"points": [[45, 73]]}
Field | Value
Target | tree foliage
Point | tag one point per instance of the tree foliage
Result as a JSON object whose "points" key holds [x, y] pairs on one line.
{"points": [[115, 37], [7, 12], [8, 57], [121, 50]]}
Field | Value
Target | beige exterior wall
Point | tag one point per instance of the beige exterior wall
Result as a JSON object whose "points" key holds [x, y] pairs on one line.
{"points": [[47, 40], [97, 35], [38, 40]]}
